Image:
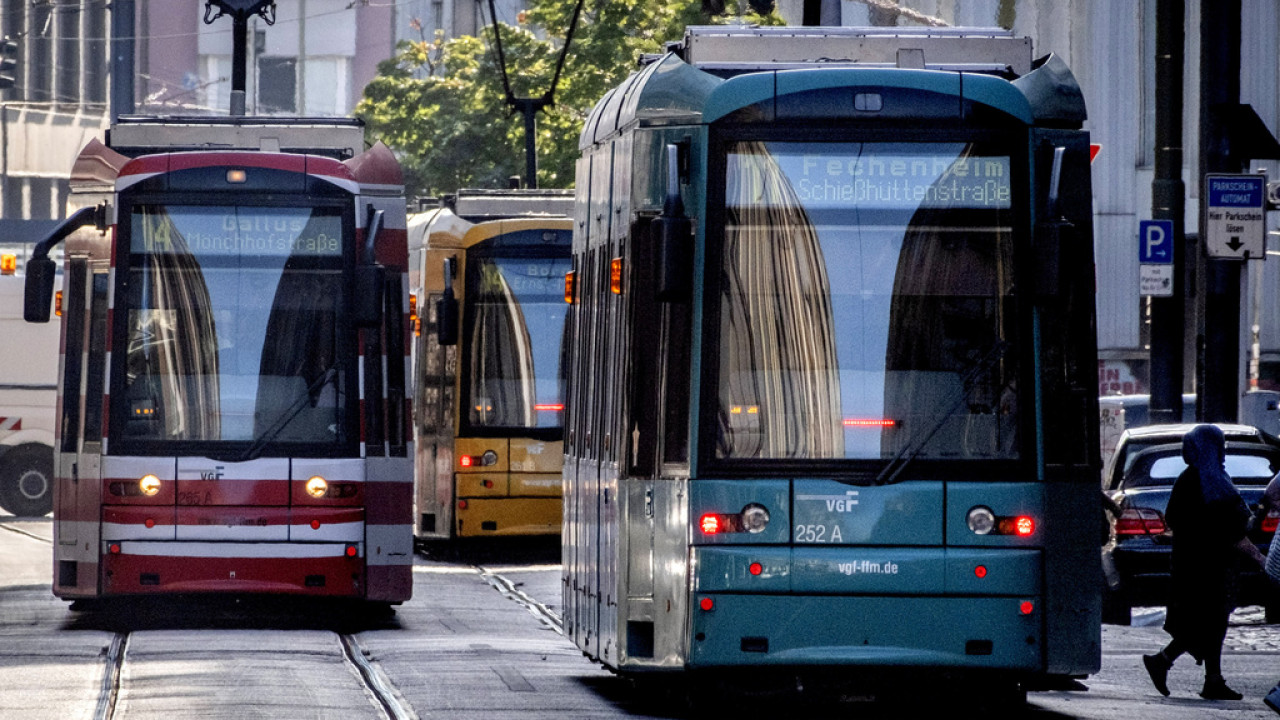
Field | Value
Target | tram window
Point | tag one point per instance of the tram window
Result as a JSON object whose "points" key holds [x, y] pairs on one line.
{"points": [[73, 369], [866, 302], [516, 323], [233, 327], [97, 359]]}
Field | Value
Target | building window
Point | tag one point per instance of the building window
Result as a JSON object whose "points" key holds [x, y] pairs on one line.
{"points": [[277, 84]]}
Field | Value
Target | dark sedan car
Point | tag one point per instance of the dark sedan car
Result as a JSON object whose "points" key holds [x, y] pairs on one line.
{"points": [[1141, 541]]}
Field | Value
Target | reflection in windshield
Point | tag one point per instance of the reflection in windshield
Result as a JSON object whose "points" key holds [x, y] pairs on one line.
{"points": [[233, 318], [866, 302], [515, 341]]}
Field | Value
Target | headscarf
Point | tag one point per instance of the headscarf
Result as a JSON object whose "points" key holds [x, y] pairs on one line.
{"points": [[1204, 448]]}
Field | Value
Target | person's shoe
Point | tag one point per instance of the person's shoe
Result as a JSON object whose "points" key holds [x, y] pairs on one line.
{"points": [[1216, 689], [1158, 669]]}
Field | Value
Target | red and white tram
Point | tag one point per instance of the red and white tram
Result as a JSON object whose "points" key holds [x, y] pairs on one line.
{"points": [[232, 414]]}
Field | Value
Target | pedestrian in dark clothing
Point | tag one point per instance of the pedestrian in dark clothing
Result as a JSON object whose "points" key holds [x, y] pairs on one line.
{"points": [[1209, 521]]}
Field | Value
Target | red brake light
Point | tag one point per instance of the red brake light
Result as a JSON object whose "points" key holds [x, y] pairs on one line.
{"points": [[1139, 521], [869, 422], [710, 524], [466, 461], [1271, 521], [1024, 526]]}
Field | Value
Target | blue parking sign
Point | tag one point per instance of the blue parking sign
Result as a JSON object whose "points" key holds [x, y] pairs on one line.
{"points": [[1155, 242]]}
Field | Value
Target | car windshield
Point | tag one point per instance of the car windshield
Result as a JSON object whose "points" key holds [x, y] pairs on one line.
{"points": [[1243, 469]]}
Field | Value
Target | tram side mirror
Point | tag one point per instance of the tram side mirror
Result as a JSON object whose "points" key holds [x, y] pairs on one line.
{"points": [[674, 235], [38, 290], [369, 283], [447, 307]]}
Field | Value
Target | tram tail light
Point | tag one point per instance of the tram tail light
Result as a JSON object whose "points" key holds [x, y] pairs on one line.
{"points": [[57, 303], [415, 322], [982, 521], [569, 278], [488, 458], [754, 518], [1139, 521], [8, 264]]}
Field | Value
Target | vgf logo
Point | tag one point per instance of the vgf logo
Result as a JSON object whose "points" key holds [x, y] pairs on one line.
{"points": [[845, 504], [214, 474]]}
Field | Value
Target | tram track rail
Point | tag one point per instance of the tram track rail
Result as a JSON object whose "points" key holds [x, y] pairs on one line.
{"points": [[510, 590], [380, 690]]}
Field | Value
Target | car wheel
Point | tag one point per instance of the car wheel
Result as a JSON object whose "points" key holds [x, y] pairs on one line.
{"points": [[1115, 609], [26, 480]]}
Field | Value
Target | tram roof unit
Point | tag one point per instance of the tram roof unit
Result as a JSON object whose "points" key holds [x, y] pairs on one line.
{"points": [[692, 84], [726, 49], [478, 205], [338, 138]]}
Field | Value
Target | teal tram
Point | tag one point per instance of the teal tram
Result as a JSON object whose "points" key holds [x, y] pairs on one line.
{"points": [[830, 393]]}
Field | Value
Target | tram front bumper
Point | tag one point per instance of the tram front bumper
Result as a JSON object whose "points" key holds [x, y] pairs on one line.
{"points": [[169, 567]]}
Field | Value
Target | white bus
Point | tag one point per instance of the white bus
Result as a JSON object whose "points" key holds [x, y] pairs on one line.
{"points": [[28, 398]]}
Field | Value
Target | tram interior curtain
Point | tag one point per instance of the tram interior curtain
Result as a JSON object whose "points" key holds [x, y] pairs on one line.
{"points": [[502, 387], [779, 379], [948, 375], [175, 333]]}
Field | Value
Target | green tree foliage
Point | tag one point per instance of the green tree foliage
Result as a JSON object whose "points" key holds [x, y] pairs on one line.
{"points": [[440, 105]]}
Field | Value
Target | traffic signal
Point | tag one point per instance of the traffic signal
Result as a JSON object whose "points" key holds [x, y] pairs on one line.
{"points": [[8, 63]]}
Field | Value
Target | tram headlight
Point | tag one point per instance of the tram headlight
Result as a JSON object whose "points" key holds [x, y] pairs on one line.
{"points": [[981, 520], [755, 518], [317, 486], [149, 485]]}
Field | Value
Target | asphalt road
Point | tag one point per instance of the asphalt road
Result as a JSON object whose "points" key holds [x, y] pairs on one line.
{"points": [[479, 639]]}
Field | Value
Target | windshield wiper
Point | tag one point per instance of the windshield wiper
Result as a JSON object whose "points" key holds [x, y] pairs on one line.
{"points": [[894, 468], [287, 416]]}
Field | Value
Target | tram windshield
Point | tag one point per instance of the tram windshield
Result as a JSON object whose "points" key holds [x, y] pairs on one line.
{"points": [[515, 341], [865, 302], [234, 321]]}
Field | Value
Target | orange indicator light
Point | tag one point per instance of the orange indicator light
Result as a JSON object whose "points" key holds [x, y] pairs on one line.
{"points": [[8, 264], [57, 303], [569, 277], [615, 276], [549, 407]]}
